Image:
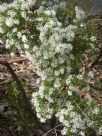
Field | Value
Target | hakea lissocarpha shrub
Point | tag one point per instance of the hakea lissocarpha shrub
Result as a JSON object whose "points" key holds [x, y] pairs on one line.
{"points": [[58, 51]]}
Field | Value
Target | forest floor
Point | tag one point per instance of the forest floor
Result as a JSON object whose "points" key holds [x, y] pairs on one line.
{"points": [[8, 125], [26, 74]]}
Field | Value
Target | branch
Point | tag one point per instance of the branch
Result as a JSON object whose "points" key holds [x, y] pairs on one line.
{"points": [[37, 123], [53, 121], [17, 60]]}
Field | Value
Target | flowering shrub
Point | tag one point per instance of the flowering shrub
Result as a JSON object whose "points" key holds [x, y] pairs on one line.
{"points": [[16, 25], [58, 50]]}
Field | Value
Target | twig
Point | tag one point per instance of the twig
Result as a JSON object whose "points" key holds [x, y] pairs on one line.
{"points": [[52, 129], [37, 123], [53, 121], [55, 132], [48, 132]]}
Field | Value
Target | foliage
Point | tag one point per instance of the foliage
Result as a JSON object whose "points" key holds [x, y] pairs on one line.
{"points": [[57, 43], [23, 117]]}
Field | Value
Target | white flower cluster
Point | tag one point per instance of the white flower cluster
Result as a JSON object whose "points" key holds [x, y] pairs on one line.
{"points": [[79, 13], [70, 119], [53, 60], [13, 22]]}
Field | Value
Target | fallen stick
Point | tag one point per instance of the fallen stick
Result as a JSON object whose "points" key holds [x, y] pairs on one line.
{"points": [[17, 60]]}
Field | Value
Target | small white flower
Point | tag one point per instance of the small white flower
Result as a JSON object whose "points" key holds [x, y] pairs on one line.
{"points": [[90, 123], [7, 44], [19, 35], [46, 55], [66, 123], [47, 12], [73, 88], [100, 130], [11, 13], [26, 46], [74, 129], [61, 119], [57, 73], [90, 74], [38, 81], [38, 53], [96, 110], [23, 14], [57, 83], [69, 93], [61, 60], [93, 38], [80, 76], [39, 19], [69, 106], [12, 54], [35, 48], [1, 20], [38, 115], [9, 22], [16, 22], [68, 81], [49, 116], [41, 88], [58, 49], [53, 12], [62, 71], [58, 114], [29, 56], [14, 30], [64, 131], [69, 47], [1, 30], [24, 39], [82, 25], [1, 41], [11, 41], [51, 23], [82, 133], [43, 120], [79, 13], [89, 98]]}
